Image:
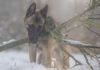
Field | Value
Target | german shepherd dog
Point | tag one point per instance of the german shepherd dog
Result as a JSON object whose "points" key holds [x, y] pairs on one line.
{"points": [[35, 25], [38, 31]]}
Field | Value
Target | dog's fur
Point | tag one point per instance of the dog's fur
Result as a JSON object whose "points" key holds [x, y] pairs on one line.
{"points": [[35, 25], [39, 26]]}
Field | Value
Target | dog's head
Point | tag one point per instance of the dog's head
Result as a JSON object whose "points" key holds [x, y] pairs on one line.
{"points": [[34, 20], [35, 16]]}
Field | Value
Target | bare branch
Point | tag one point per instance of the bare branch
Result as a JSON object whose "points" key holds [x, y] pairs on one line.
{"points": [[12, 44], [79, 63], [83, 52], [75, 18], [25, 40], [69, 30], [92, 54], [79, 44], [92, 30]]}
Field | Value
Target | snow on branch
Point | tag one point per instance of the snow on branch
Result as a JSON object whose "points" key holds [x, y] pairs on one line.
{"points": [[79, 44], [14, 43]]}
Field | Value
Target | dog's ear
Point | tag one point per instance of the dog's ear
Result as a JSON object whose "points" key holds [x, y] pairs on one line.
{"points": [[31, 10], [44, 11]]}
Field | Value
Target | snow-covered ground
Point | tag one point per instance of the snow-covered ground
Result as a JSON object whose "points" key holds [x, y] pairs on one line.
{"points": [[19, 60]]}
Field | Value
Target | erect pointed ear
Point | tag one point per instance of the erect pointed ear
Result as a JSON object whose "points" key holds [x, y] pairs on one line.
{"points": [[31, 10], [44, 11]]}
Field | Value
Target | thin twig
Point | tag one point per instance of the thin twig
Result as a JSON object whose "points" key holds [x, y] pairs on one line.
{"points": [[92, 30], [83, 52], [93, 55], [65, 51], [75, 18]]}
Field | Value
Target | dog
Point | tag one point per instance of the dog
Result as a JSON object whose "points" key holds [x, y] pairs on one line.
{"points": [[39, 31], [36, 29]]}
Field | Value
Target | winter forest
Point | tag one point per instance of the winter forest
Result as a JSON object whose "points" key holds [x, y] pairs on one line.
{"points": [[49, 34]]}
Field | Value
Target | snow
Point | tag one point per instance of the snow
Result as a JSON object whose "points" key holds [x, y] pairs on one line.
{"points": [[15, 60], [19, 60], [7, 42], [77, 42], [81, 58]]}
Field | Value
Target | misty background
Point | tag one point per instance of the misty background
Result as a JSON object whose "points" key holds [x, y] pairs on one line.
{"points": [[12, 28], [12, 24]]}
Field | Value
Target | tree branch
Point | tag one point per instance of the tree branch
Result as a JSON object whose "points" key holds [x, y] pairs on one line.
{"points": [[75, 18], [25, 40], [12, 44], [79, 44], [86, 59], [79, 63]]}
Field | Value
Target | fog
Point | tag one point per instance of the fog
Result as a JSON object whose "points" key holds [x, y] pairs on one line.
{"points": [[12, 12]]}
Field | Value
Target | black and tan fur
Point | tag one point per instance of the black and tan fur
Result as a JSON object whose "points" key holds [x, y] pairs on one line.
{"points": [[35, 25], [38, 30]]}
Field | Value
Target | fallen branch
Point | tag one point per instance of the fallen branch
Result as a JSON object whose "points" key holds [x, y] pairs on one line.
{"points": [[77, 62], [92, 54], [12, 44], [25, 40], [79, 44], [85, 56], [75, 18], [92, 30]]}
